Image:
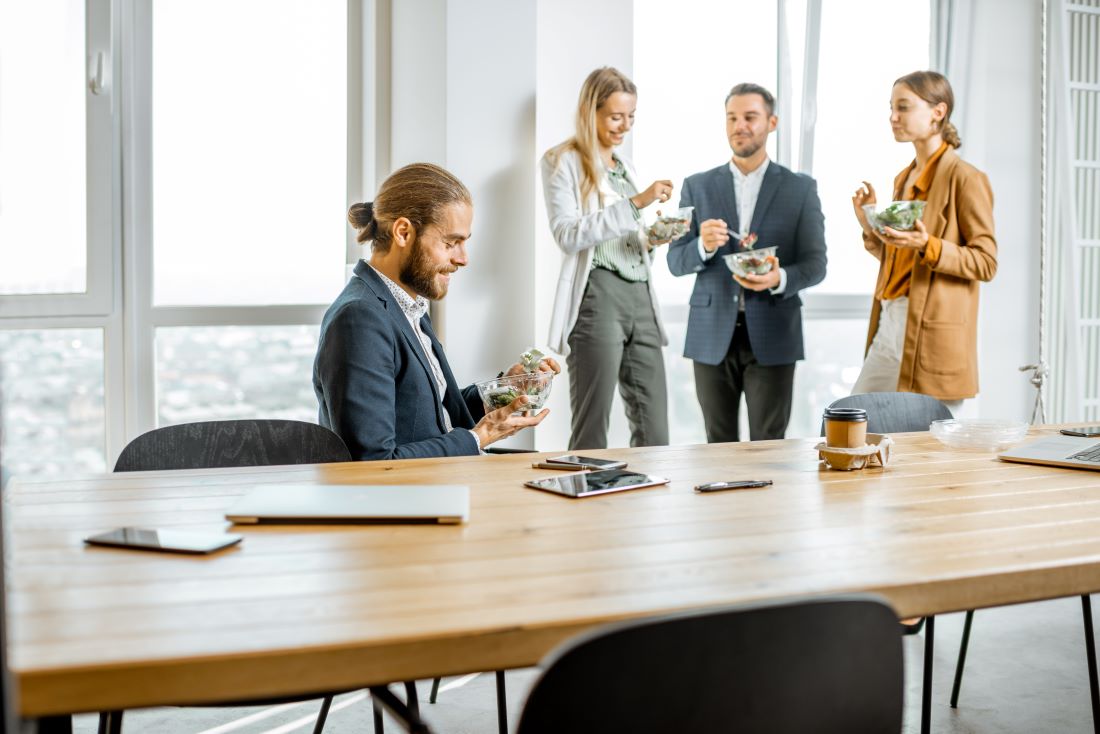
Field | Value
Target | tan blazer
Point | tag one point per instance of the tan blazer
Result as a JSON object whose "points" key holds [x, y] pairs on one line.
{"points": [[940, 357]]}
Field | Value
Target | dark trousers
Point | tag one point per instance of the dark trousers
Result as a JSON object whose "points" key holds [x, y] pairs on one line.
{"points": [[616, 342], [768, 391]]}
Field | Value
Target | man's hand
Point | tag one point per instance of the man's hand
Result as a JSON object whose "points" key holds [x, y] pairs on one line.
{"points": [[915, 240], [713, 233], [501, 423], [768, 280], [547, 364]]}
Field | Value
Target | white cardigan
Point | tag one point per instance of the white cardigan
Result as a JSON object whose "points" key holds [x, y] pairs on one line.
{"points": [[578, 229]]}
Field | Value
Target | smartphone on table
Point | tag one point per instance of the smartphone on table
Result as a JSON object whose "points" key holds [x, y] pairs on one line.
{"points": [[1086, 431], [572, 462], [168, 541]]}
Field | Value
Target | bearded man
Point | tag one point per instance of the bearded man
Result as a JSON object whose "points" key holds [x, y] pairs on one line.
{"points": [[381, 377], [745, 333]]}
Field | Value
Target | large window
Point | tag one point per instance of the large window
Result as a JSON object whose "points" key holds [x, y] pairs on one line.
{"points": [[43, 171], [51, 381], [680, 130], [249, 152], [198, 151]]}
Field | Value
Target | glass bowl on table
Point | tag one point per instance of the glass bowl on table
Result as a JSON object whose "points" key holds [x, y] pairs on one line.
{"points": [[978, 434], [670, 224], [750, 262], [901, 216], [501, 392]]}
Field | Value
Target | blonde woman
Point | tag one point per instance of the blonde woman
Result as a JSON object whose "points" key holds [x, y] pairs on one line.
{"points": [[605, 319], [923, 335]]}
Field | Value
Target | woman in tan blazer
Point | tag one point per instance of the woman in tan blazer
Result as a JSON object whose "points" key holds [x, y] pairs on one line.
{"points": [[923, 335]]}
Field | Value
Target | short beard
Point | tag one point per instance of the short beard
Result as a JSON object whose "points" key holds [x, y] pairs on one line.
{"points": [[750, 151], [418, 273]]}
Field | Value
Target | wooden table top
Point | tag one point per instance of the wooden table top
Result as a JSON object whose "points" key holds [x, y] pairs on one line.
{"points": [[312, 608]]}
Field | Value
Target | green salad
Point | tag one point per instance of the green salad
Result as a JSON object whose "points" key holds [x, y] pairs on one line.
{"points": [[504, 396], [900, 215]]}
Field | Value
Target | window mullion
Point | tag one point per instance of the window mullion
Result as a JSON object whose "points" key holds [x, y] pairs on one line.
{"points": [[137, 249]]}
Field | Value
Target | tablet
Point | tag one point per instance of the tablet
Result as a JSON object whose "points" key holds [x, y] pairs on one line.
{"points": [[169, 541], [585, 484]]}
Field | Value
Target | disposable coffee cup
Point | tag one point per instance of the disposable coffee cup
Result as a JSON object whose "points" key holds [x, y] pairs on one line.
{"points": [[845, 428]]}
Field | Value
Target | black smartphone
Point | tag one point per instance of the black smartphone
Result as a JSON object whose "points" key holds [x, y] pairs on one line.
{"points": [[586, 462], [742, 484], [168, 541], [1086, 431]]}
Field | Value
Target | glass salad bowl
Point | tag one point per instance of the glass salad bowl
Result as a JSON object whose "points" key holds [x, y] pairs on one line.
{"points": [[670, 225], [898, 215], [500, 392], [750, 262], [978, 433]]}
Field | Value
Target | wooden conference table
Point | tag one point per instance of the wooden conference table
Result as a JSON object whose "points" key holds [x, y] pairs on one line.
{"points": [[313, 608]]}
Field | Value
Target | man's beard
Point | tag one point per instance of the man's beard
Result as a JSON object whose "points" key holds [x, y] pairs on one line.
{"points": [[419, 274], [749, 151]]}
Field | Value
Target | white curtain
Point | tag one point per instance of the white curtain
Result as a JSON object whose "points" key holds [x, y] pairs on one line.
{"points": [[1063, 332], [950, 39], [810, 11], [809, 87]]}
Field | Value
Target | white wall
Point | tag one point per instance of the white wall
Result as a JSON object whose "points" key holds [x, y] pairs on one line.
{"points": [[419, 86], [1002, 139]]}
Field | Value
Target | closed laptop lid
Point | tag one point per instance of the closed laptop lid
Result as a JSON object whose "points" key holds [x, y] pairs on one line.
{"points": [[353, 503]]}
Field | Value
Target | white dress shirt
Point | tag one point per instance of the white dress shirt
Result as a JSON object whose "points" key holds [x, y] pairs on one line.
{"points": [[746, 190]]}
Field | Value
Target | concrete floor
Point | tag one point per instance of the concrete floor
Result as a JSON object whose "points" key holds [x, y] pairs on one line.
{"points": [[1026, 672]]}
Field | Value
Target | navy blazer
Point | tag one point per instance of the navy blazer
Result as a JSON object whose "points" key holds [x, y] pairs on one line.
{"points": [[375, 386], [788, 215]]}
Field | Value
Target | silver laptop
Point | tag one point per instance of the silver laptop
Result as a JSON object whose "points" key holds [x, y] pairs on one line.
{"points": [[1069, 451], [352, 503]]}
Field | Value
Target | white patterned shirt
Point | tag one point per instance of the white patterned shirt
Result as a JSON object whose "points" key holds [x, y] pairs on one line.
{"points": [[414, 310]]}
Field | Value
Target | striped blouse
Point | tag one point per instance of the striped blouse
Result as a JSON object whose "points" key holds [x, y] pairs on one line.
{"points": [[626, 254]]}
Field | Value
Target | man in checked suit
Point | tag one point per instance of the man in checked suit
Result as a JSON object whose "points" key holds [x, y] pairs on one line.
{"points": [[745, 334]]}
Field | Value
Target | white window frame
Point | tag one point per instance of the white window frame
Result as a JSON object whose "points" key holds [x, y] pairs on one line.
{"points": [[119, 297], [101, 145]]}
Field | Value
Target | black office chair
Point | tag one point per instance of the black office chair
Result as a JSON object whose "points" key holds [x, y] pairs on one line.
{"points": [[234, 443], [215, 444], [895, 412], [810, 665]]}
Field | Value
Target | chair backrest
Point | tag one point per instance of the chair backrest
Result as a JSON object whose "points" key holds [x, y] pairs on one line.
{"points": [[232, 443], [818, 665], [895, 412]]}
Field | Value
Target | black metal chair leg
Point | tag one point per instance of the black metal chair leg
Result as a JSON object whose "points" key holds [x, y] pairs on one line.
{"points": [[1090, 651], [963, 645], [379, 727], [411, 699], [926, 691], [502, 704], [435, 690], [322, 715], [110, 722]]}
